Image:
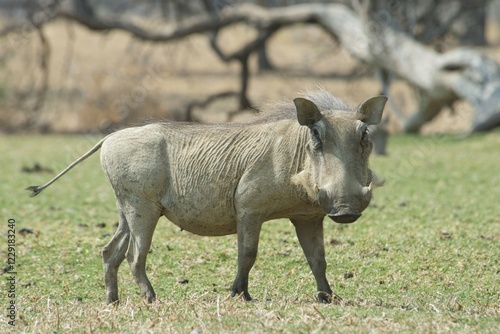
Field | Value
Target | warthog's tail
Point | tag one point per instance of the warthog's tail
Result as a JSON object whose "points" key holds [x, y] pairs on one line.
{"points": [[35, 190]]}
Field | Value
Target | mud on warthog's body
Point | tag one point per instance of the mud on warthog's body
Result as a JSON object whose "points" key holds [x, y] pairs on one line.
{"points": [[303, 161]]}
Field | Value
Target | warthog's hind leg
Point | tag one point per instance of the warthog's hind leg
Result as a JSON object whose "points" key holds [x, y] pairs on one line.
{"points": [[310, 235], [112, 256], [142, 219]]}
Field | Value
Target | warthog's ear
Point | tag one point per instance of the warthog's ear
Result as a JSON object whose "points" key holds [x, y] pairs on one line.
{"points": [[307, 112], [371, 110]]}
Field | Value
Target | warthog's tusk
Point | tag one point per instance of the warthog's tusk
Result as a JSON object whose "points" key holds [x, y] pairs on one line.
{"points": [[367, 190]]}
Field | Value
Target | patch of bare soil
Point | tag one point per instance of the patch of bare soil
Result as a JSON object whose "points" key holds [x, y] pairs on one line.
{"points": [[108, 80]]}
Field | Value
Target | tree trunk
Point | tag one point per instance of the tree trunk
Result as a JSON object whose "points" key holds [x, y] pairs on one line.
{"points": [[441, 78]]}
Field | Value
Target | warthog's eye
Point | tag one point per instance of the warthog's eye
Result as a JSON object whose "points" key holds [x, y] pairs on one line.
{"points": [[364, 135], [366, 144], [316, 139]]}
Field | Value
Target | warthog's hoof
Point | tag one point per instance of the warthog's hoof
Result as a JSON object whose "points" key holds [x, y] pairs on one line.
{"points": [[112, 298], [243, 294], [113, 302], [150, 298], [325, 297]]}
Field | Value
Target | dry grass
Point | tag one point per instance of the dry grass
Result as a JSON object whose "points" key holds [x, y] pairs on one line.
{"points": [[423, 259]]}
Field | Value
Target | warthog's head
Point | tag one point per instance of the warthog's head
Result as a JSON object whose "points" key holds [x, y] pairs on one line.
{"points": [[336, 173]]}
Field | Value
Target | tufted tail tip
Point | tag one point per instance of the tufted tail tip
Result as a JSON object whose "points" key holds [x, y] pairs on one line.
{"points": [[35, 190]]}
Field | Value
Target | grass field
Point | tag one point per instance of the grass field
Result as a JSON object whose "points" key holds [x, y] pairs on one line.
{"points": [[424, 258]]}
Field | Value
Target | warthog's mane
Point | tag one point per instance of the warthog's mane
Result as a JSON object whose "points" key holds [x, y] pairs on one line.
{"points": [[326, 102]]}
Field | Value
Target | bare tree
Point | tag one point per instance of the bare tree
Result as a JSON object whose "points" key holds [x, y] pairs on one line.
{"points": [[376, 32]]}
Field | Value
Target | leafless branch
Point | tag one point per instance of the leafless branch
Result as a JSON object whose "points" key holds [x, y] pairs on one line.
{"points": [[242, 56], [44, 66], [204, 103], [70, 30], [370, 40]]}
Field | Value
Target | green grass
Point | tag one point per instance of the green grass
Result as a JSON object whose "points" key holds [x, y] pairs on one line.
{"points": [[425, 256]]}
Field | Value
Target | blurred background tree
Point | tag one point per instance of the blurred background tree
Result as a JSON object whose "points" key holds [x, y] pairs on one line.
{"points": [[421, 43]]}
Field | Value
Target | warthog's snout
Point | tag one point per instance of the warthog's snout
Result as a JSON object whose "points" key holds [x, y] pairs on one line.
{"points": [[344, 218], [350, 207]]}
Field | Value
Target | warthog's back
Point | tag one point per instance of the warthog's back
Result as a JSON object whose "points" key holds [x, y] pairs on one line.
{"points": [[200, 174]]}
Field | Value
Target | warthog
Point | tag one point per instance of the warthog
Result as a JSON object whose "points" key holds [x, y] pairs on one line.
{"points": [[301, 161]]}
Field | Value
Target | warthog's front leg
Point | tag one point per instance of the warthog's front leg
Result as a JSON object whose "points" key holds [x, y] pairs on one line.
{"points": [[310, 234], [248, 243]]}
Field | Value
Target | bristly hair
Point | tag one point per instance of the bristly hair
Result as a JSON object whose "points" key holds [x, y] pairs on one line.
{"points": [[285, 109], [323, 99]]}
